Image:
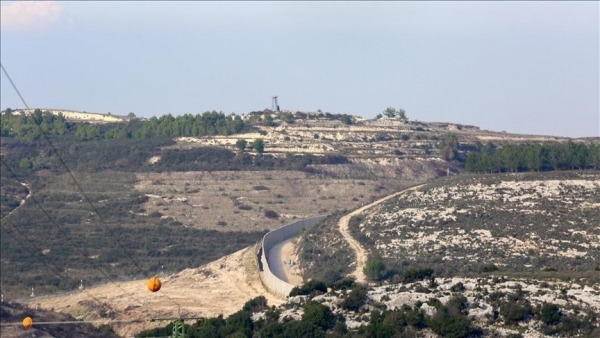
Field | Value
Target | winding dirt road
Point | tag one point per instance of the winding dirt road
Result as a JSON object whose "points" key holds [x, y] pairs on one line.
{"points": [[21, 202], [361, 254]]}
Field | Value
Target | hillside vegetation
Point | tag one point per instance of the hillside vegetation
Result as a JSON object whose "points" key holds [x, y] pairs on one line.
{"points": [[437, 307], [56, 239], [514, 223], [182, 191], [15, 313]]}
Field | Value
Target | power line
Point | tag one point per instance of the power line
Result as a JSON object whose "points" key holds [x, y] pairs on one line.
{"points": [[84, 195], [55, 268], [55, 224], [77, 322], [55, 150]]}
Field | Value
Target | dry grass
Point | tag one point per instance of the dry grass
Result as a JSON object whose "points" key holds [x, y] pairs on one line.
{"points": [[237, 201]]}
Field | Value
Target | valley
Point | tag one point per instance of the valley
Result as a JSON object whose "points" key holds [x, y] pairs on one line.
{"points": [[193, 208]]}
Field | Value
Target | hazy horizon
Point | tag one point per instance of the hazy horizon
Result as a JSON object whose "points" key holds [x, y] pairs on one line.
{"points": [[519, 67]]}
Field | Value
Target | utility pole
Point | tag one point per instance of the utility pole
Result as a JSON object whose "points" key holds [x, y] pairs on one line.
{"points": [[178, 325], [274, 104]]}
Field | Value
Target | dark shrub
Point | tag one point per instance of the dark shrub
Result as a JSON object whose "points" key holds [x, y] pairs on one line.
{"points": [[375, 269], [489, 268], [550, 314], [271, 214], [413, 275], [355, 299], [318, 315], [308, 288]]}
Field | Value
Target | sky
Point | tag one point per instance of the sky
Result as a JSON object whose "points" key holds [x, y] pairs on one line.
{"points": [[521, 67]]}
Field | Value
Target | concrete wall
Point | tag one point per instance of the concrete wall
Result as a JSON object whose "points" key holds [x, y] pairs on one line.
{"points": [[271, 282]]}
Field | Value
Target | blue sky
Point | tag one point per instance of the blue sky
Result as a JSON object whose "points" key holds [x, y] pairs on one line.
{"points": [[523, 67]]}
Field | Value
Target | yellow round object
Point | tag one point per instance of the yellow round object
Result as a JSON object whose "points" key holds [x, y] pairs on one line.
{"points": [[154, 284], [27, 322]]}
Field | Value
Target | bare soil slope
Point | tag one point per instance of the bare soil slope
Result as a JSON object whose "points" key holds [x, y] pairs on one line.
{"points": [[220, 287]]}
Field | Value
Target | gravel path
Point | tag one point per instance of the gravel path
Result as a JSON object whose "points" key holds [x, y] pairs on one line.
{"points": [[361, 254]]}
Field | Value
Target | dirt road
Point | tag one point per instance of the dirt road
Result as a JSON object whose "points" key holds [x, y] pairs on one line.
{"points": [[361, 254], [21, 202]]}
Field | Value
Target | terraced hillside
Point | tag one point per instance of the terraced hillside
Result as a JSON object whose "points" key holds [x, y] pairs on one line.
{"points": [[514, 223]]}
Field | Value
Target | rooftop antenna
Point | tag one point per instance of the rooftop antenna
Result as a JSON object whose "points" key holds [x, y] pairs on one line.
{"points": [[274, 104]]}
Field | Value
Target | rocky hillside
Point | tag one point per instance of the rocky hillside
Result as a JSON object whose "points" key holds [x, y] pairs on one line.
{"points": [[514, 223], [360, 139], [492, 306]]}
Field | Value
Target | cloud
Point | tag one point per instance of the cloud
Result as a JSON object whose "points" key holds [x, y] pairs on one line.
{"points": [[32, 15]]}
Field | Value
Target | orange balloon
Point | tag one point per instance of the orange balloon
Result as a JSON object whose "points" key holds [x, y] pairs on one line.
{"points": [[27, 322], [154, 284]]}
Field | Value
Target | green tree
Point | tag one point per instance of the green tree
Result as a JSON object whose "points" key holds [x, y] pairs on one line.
{"points": [[450, 322], [390, 112], [346, 119], [308, 288], [318, 315], [87, 131], [449, 147], [401, 114], [412, 275], [258, 145], [356, 298], [288, 118], [375, 268], [268, 120], [534, 159], [241, 144], [550, 314], [594, 153]]}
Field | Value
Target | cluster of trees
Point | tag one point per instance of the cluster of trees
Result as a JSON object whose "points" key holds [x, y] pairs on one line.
{"points": [[209, 123], [316, 320], [319, 321], [258, 145], [514, 308], [392, 112], [375, 268], [534, 157], [449, 320], [346, 119], [449, 147], [130, 154], [29, 127]]}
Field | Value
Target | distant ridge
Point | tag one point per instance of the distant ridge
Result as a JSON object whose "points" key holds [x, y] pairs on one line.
{"points": [[74, 115]]}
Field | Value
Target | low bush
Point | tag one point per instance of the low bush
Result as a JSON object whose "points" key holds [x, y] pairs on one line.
{"points": [[413, 275], [271, 214], [309, 288], [355, 299]]}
